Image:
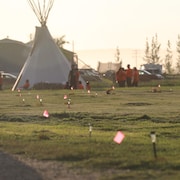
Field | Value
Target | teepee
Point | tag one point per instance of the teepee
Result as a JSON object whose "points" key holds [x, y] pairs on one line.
{"points": [[46, 64]]}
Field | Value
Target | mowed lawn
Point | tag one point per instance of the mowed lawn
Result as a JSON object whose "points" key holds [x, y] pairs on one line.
{"points": [[64, 136]]}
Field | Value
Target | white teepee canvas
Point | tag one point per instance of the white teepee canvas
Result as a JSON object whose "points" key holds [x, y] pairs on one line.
{"points": [[45, 63]]}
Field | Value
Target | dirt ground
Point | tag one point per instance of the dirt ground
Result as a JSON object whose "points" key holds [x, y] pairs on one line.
{"points": [[13, 167]]}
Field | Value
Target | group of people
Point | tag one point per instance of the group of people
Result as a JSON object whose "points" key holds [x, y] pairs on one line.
{"points": [[72, 83], [127, 76], [123, 76]]}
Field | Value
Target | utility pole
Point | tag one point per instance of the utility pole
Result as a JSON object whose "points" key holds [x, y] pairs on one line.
{"points": [[135, 55]]}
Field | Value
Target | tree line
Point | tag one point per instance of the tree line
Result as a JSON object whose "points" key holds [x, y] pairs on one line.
{"points": [[152, 55]]}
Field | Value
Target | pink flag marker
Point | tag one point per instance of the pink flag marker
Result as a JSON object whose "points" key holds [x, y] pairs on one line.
{"points": [[65, 96], [46, 114], [119, 137]]}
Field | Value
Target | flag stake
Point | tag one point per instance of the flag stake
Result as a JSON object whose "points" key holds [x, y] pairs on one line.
{"points": [[153, 139]]}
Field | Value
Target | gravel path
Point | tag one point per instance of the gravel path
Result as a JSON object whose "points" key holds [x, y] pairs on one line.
{"points": [[14, 167]]}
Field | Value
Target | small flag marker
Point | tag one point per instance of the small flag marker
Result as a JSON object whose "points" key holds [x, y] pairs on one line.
{"points": [[119, 137], [40, 101], [90, 130], [46, 114], [69, 103], [65, 96]]}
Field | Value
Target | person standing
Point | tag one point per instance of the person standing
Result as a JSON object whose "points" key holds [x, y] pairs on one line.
{"points": [[26, 84], [129, 74], [80, 86], [73, 77], [121, 77], [135, 77]]}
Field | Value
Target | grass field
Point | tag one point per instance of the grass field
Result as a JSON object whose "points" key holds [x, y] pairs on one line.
{"points": [[64, 136]]}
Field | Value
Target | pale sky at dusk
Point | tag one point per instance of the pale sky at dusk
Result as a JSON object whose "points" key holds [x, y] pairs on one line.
{"points": [[97, 24]]}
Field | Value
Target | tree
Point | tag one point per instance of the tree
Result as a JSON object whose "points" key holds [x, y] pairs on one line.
{"points": [[147, 57], [178, 56], [60, 41], [117, 56], [168, 59], [152, 55], [155, 47]]}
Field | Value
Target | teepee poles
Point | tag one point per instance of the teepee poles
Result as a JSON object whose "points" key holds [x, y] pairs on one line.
{"points": [[41, 10]]}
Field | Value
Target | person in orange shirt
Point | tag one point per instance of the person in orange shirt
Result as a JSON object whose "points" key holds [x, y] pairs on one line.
{"points": [[135, 77], [80, 86], [26, 85], [129, 74], [121, 77]]}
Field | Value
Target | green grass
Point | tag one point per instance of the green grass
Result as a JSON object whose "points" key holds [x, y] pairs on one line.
{"points": [[64, 136]]}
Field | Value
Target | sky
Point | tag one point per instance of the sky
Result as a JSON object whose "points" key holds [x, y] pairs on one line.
{"points": [[96, 24]]}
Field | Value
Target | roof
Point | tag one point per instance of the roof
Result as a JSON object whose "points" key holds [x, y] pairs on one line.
{"points": [[11, 41], [152, 66]]}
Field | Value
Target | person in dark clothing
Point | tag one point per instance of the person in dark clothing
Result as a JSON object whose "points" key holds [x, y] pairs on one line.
{"points": [[73, 77]]}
